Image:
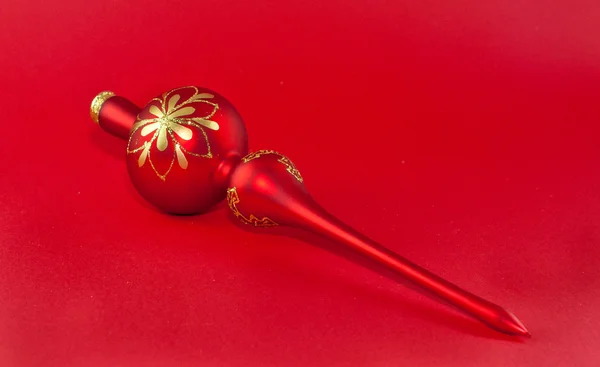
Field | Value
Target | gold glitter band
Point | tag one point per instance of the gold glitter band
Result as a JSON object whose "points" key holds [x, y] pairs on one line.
{"points": [[97, 103], [233, 199], [291, 168]]}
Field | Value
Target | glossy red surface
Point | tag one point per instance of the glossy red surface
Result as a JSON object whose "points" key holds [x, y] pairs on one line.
{"points": [[480, 119], [266, 190], [117, 115], [177, 146]]}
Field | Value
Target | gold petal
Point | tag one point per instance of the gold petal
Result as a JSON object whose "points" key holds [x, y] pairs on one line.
{"points": [[162, 141], [144, 154], [202, 96], [183, 112], [156, 111], [207, 123], [150, 128], [183, 163], [184, 133], [140, 123], [172, 102]]}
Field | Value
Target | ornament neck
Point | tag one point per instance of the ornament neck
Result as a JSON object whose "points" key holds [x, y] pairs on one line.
{"points": [[224, 172], [114, 114]]}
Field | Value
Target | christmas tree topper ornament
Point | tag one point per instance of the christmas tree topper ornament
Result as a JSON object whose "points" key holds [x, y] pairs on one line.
{"points": [[187, 150]]}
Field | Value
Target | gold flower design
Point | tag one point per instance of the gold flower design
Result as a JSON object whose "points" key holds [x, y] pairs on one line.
{"points": [[170, 125]]}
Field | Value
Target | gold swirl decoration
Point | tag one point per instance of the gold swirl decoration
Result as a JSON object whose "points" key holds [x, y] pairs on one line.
{"points": [[290, 167], [97, 103], [172, 120], [233, 199]]}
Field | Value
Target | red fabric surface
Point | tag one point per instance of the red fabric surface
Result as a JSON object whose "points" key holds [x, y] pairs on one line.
{"points": [[461, 134]]}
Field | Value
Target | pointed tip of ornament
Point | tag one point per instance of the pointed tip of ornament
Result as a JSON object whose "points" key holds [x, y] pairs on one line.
{"points": [[515, 325], [97, 103]]}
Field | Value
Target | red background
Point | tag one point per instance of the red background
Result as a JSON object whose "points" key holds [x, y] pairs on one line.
{"points": [[462, 134]]}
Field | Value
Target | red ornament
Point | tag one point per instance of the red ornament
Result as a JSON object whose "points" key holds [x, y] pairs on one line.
{"points": [[187, 149]]}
